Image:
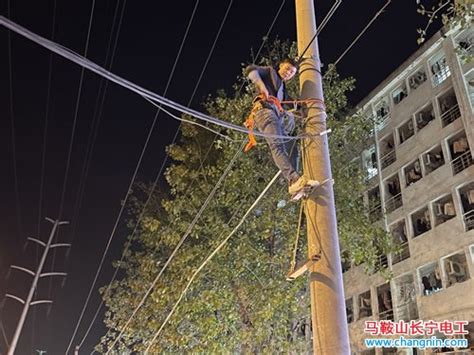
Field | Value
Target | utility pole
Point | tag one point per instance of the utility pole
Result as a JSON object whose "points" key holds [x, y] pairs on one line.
{"points": [[328, 314], [39, 273]]}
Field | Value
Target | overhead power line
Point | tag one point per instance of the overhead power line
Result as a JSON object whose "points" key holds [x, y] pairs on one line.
{"points": [[362, 32], [12, 131], [181, 241], [76, 112], [130, 184], [209, 258], [80, 60]]}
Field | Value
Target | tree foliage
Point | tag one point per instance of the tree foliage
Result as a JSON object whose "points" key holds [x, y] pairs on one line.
{"points": [[452, 13], [241, 301]]}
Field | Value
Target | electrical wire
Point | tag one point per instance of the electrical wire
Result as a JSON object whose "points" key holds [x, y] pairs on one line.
{"points": [[190, 122], [80, 60], [132, 181], [163, 165], [176, 117], [97, 115], [204, 263], [76, 112], [362, 32], [4, 334], [220, 245], [181, 241], [210, 52], [43, 161], [321, 26], [12, 131], [71, 139]]}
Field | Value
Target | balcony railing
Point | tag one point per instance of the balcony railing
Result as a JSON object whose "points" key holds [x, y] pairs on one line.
{"points": [[451, 115], [441, 75], [407, 311], [462, 162], [382, 122], [468, 219], [393, 203], [375, 212], [386, 315], [402, 255], [388, 159]]}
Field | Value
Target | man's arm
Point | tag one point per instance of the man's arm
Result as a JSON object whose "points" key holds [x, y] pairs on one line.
{"points": [[252, 72]]}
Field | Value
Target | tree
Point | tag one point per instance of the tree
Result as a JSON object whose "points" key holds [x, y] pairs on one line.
{"points": [[241, 301], [452, 13]]}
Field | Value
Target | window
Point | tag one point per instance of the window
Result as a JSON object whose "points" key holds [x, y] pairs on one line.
{"points": [[365, 305], [449, 108], [413, 172], [399, 94], [470, 86], [387, 151], [421, 221], [384, 296], [439, 69], [399, 235], [456, 269], [405, 298], [349, 310], [430, 279], [466, 194], [465, 45], [433, 159], [417, 79], [406, 130], [443, 210], [375, 205], [424, 116], [369, 162], [382, 114], [393, 193], [460, 153]]}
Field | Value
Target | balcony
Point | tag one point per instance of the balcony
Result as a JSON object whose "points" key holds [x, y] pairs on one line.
{"points": [[388, 159], [386, 315], [375, 212], [468, 219], [403, 254], [393, 203], [462, 162], [451, 115], [382, 122]]}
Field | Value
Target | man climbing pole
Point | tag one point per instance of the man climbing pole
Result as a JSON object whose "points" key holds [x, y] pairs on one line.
{"points": [[269, 118]]}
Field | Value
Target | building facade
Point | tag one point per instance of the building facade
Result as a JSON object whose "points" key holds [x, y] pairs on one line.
{"points": [[421, 176]]}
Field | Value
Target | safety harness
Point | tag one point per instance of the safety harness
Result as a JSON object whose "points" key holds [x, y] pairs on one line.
{"points": [[250, 121]]}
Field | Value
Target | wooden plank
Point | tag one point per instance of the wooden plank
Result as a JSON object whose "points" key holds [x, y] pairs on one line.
{"points": [[300, 270]]}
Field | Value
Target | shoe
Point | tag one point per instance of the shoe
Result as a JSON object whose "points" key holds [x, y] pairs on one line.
{"points": [[300, 184]]}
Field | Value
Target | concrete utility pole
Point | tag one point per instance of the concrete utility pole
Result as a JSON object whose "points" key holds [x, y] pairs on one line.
{"points": [[28, 302], [328, 314]]}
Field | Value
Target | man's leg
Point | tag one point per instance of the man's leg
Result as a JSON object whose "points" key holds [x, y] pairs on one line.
{"points": [[267, 122]]}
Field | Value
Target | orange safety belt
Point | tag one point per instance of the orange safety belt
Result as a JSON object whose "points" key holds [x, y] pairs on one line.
{"points": [[250, 122]]}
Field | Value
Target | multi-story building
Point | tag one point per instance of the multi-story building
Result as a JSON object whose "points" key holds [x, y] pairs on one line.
{"points": [[421, 176]]}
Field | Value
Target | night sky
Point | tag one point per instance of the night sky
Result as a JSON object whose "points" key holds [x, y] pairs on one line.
{"points": [[148, 42]]}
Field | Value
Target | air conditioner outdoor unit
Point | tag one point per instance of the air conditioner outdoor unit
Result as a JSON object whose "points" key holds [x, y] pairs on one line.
{"points": [[454, 268], [438, 209]]}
